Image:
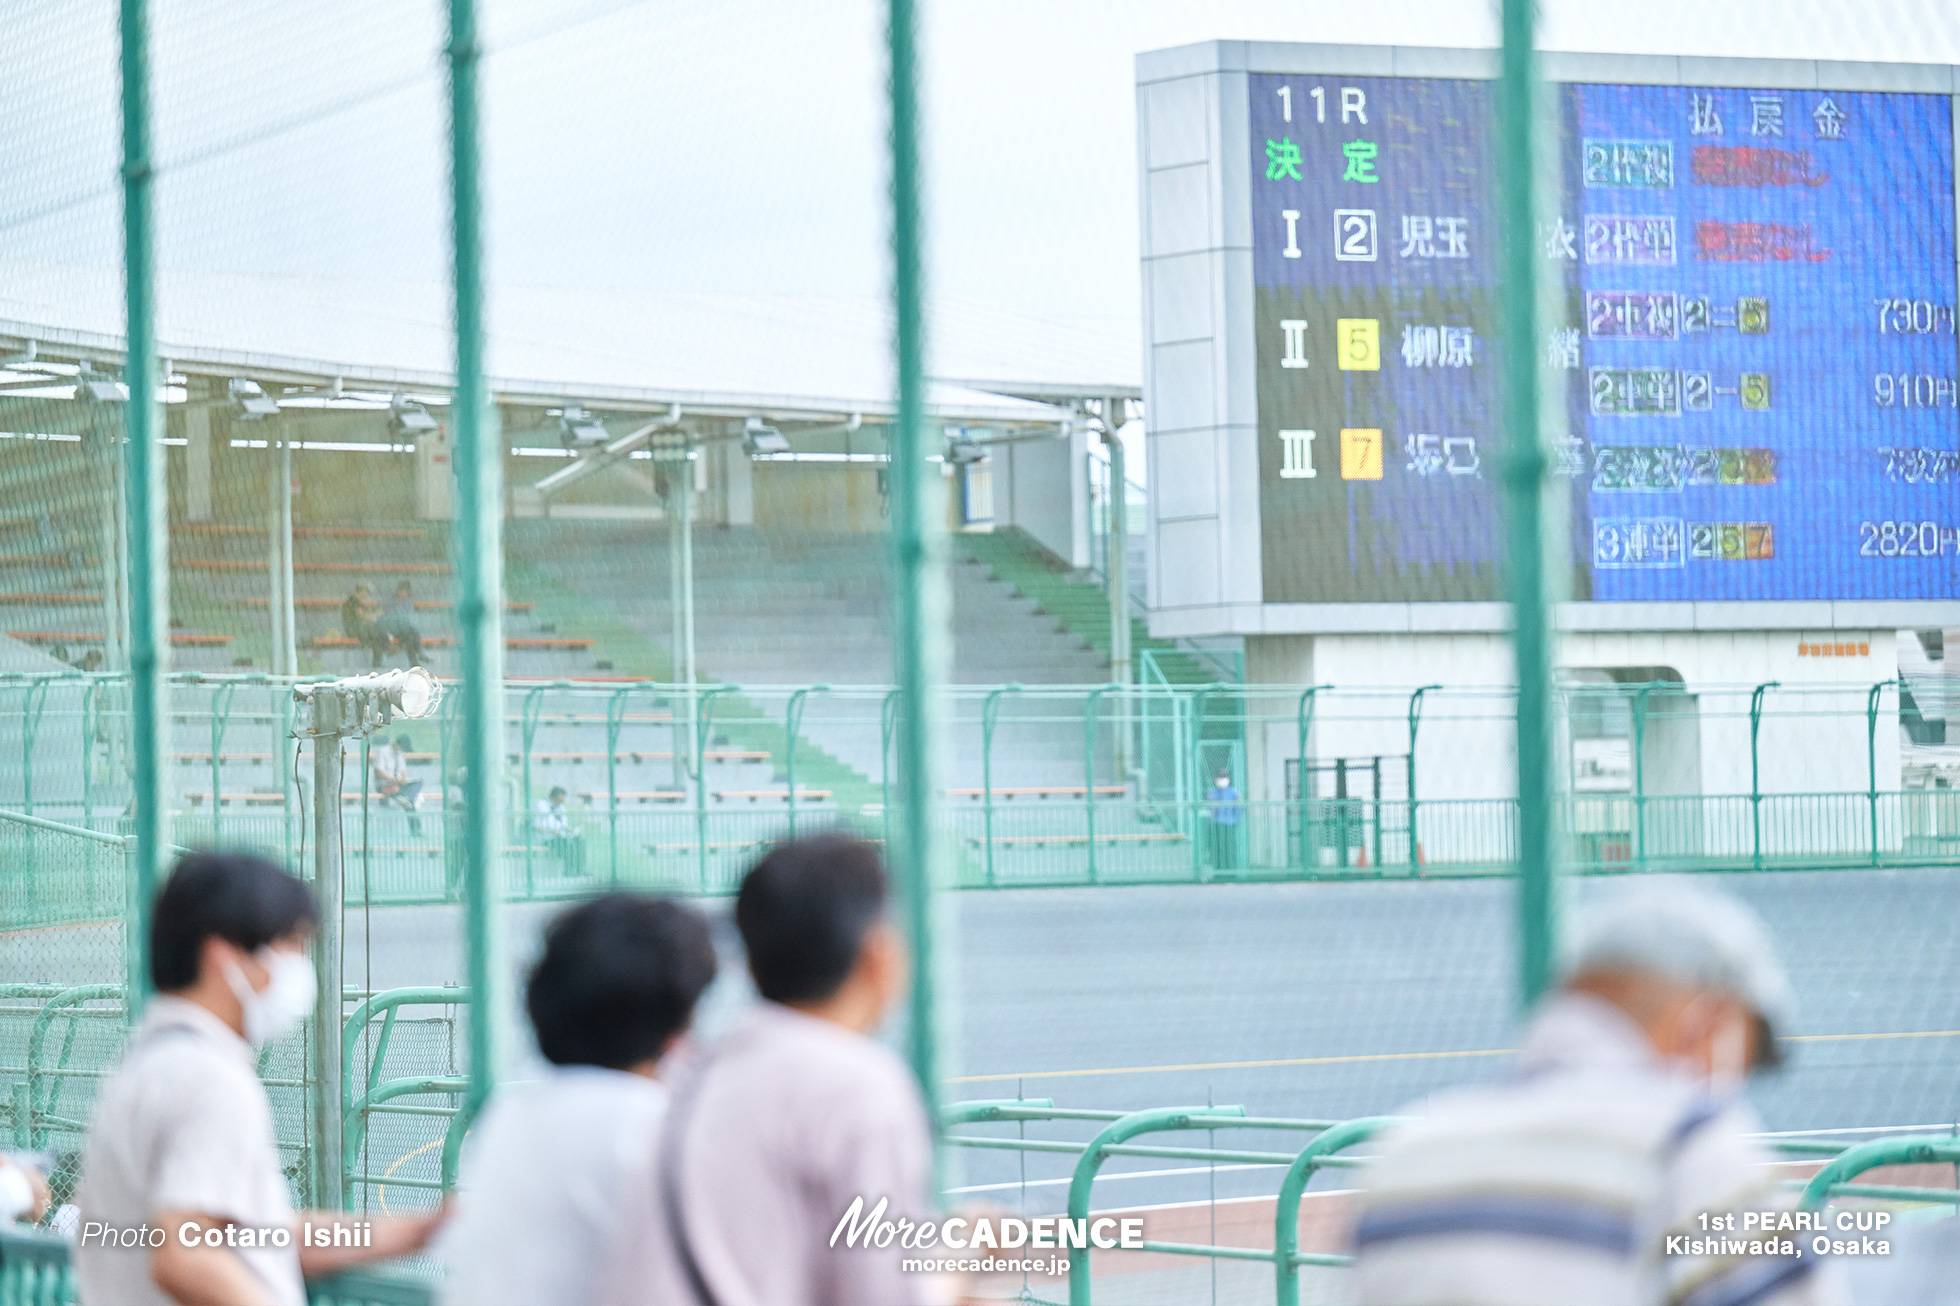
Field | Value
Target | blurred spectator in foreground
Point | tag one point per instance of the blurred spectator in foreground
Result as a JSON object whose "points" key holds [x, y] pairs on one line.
{"points": [[1622, 1126], [549, 1164], [389, 762], [551, 820], [181, 1139], [794, 1115]]}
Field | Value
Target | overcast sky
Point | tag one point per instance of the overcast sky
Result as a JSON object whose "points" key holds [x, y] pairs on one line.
{"points": [[718, 146]]}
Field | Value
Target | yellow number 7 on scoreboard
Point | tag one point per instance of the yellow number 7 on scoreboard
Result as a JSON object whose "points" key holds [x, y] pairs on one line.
{"points": [[1361, 455]]}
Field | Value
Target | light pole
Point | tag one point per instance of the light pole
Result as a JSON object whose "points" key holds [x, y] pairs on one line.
{"points": [[336, 711]]}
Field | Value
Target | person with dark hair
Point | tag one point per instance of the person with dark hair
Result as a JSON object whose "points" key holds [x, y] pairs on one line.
{"points": [[548, 1166], [794, 1116], [181, 1139], [358, 623]]}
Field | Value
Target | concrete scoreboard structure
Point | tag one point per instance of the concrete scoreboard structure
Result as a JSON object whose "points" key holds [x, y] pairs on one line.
{"points": [[1757, 369]]}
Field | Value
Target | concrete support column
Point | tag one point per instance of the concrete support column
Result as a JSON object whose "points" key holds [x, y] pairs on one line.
{"points": [[197, 462]]}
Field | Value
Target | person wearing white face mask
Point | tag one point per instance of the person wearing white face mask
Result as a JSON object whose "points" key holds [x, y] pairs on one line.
{"points": [[1621, 1127], [181, 1138]]}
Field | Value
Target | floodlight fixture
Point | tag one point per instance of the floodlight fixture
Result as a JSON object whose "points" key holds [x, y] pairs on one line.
{"points": [[962, 449], [94, 388], [249, 400], [758, 437], [578, 427], [408, 417], [356, 706]]}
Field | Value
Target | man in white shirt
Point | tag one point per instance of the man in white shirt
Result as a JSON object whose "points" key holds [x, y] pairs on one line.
{"points": [[550, 819], [550, 1161], [180, 1145], [1595, 1172], [389, 762], [793, 1116]]}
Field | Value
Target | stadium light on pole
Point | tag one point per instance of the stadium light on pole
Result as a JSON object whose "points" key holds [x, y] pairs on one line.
{"points": [[332, 713]]}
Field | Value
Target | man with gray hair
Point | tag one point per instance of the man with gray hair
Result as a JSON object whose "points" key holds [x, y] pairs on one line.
{"points": [[1606, 1168]]}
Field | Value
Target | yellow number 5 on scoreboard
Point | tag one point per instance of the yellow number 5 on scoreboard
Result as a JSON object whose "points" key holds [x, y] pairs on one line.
{"points": [[1361, 455], [1360, 343]]}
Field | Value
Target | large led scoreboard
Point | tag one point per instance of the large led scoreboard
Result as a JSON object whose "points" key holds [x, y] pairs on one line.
{"points": [[1754, 370]]}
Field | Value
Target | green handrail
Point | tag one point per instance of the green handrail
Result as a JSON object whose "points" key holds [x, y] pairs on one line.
{"points": [[1755, 771], [1415, 845], [1082, 1181], [1089, 769], [703, 731], [1871, 753], [1922, 1150], [1309, 846], [37, 1040], [353, 1112], [792, 726], [989, 717], [1287, 1257]]}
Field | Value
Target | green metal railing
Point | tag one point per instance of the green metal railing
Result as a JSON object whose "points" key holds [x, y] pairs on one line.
{"points": [[1834, 1180], [34, 1266]]}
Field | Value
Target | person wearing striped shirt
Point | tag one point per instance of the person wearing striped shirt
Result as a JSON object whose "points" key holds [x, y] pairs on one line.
{"points": [[1606, 1167]]}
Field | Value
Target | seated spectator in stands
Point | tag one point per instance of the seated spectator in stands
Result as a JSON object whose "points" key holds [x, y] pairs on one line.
{"points": [[549, 1164], [389, 763], [398, 623], [91, 660], [793, 1116], [181, 1136], [1622, 1123], [358, 624], [550, 819]]}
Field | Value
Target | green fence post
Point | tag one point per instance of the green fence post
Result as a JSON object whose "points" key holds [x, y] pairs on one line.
{"points": [[479, 462], [1871, 754], [792, 726], [1200, 807], [1415, 719], [1640, 775], [1088, 769], [887, 726], [528, 732], [36, 699], [220, 720], [922, 605], [1525, 469], [989, 716], [1755, 770], [703, 730], [1309, 846], [615, 717], [148, 580], [89, 727]]}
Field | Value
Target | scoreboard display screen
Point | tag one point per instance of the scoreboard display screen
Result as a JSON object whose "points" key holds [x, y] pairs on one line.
{"points": [[1755, 366]]}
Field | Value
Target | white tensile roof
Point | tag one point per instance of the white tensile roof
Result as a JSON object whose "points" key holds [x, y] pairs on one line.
{"points": [[782, 355]]}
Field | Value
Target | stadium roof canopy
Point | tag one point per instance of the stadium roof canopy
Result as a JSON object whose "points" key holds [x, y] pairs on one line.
{"points": [[794, 358]]}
